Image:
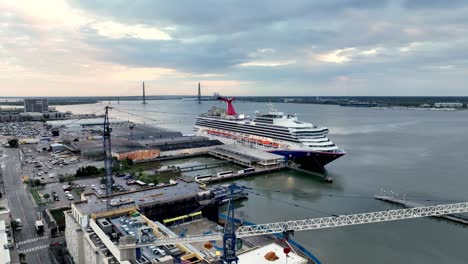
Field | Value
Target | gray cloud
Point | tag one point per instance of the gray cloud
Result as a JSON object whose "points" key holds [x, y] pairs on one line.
{"points": [[221, 16], [428, 4], [217, 36]]}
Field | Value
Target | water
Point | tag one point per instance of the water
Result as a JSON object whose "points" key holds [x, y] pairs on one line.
{"points": [[420, 153]]}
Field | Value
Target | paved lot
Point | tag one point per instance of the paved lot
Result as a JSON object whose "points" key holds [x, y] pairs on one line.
{"points": [[50, 171], [88, 182]]}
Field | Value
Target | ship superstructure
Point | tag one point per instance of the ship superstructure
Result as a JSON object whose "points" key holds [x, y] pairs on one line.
{"points": [[304, 143]]}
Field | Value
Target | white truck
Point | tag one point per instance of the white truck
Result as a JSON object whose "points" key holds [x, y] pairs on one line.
{"points": [[18, 224], [39, 224]]}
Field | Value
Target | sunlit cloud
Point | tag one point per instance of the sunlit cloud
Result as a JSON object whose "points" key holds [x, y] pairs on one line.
{"points": [[267, 63], [369, 52], [341, 56], [118, 30], [221, 83], [56, 13], [337, 56], [412, 46]]}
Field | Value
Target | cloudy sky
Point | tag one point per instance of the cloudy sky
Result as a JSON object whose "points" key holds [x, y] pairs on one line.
{"points": [[235, 47]]}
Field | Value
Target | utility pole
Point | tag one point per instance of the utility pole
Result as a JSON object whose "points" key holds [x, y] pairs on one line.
{"points": [[107, 155], [131, 127]]}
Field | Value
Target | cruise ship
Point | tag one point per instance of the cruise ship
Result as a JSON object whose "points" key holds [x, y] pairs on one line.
{"points": [[303, 143]]}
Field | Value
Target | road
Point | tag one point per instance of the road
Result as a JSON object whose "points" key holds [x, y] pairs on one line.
{"points": [[21, 206]]}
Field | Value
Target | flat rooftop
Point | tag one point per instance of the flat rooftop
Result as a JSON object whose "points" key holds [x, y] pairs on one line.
{"points": [[117, 143], [144, 132], [249, 152], [74, 123], [257, 256], [172, 140], [139, 198]]}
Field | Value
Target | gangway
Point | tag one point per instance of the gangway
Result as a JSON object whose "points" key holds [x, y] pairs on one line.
{"points": [[317, 223]]}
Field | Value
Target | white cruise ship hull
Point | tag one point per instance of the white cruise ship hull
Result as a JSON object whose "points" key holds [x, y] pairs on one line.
{"points": [[314, 160]]}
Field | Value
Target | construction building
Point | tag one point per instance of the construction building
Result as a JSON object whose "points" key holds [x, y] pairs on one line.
{"points": [[95, 226], [122, 229], [36, 105]]}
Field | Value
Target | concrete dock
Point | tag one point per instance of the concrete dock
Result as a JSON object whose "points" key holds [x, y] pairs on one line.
{"points": [[257, 171], [408, 204]]}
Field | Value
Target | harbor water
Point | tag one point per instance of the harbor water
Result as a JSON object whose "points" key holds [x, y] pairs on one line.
{"points": [[419, 154]]}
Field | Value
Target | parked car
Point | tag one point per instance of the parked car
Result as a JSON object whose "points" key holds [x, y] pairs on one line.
{"points": [[128, 177], [9, 245], [130, 182]]}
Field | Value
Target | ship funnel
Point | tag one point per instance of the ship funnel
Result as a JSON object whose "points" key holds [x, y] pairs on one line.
{"points": [[230, 108]]}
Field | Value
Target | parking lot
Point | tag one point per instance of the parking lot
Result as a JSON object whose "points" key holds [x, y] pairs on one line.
{"points": [[23, 129], [80, 186], [48, 167]]}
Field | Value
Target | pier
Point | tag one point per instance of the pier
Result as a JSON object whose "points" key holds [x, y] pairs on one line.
{"points": [[197, 167], [257, 171], [246, 156], [408, 204]]}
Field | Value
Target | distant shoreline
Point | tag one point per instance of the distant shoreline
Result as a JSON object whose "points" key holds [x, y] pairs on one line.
{"points": [[409, 102]]}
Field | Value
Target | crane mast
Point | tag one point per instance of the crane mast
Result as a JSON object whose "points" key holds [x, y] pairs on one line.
{"points": [[106, 139], [229, 237]]}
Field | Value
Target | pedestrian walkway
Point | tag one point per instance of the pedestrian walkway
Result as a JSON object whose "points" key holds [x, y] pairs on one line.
{"points": [[29, 250], [31, 240]]}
